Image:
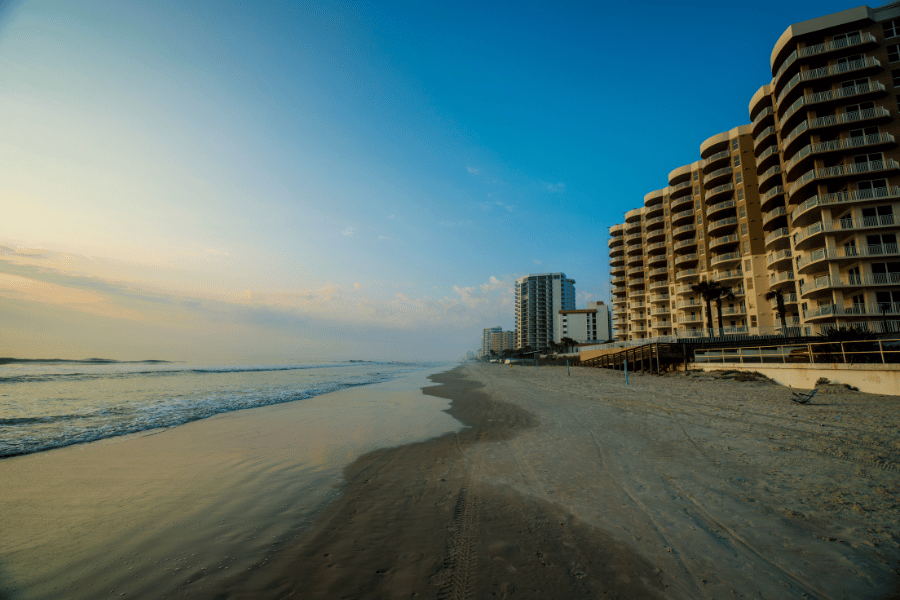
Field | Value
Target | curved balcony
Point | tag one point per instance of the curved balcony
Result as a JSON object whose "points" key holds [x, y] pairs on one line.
{"points": [[689, 243], [684, 289], [715, 144], [823, 73], [635, 282], [679, 175], [662, 283], [677, 191], [827, 283], [637, 292], [617, 271], [718, 159], [765, 117], [780, 278], [654, 222], [655, 259], [686, 259], [776, 212], [728, 275], [725, 259], [690, 319], [772, 197], [684, 229], [680, 202], [788, 299], [868, 141], [616, 241], [635, 271], [857, 116], [636, 260], [806, 237], [618, 280], [856, 91], [808, 210], [779, 259], [820, 49], [719, 191], [811, 262], [854, 310], [717, 176], [721, 206], [656, 234], [683, 216], [864, 168], [721, 225], [617, 259], [765, 180], [656, 272], [768, 157], [725, 240], [779, 237], [687, 275], [765, 134], [652, 248], [654, 198], [693, 303], [633, 249]]}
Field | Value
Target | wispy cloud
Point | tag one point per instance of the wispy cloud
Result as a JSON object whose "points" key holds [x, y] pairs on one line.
{"points": [[348, 231], [556, 187], [537, 262], [472, 170]]}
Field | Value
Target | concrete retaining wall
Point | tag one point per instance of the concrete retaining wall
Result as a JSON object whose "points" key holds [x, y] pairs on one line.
{"points": [[872, 379]]}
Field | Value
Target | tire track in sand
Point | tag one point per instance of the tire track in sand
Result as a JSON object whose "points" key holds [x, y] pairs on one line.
{"points": [[462, 556]]}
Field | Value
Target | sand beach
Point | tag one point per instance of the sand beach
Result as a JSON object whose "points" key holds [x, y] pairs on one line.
{"points": [[546, 485]]}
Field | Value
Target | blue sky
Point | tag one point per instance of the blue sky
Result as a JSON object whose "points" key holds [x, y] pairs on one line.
{"points": [[278, 180]]}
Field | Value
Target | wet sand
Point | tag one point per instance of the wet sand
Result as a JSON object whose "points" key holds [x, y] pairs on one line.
{"points": [[684, 486]]}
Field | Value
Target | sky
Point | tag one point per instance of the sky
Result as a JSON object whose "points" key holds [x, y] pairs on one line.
{"points": [[219, 181]]}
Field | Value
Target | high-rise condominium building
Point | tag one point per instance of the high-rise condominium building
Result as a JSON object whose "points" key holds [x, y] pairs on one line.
{"points": [[802, 201], [538, 300], [486, 339], [591, 324], [503, 340]]}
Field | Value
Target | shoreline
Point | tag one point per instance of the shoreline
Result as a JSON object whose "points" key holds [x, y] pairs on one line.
{"points": [[558, 486]]}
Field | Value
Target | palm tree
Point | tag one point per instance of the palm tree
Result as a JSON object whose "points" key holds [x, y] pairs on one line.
{"points": [[778, 296], [568, 342], [727, 294], [709, 291]]}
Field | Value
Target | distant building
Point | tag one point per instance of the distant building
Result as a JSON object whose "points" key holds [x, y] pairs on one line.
{"points": [[503, 340], [591, 324], [538, 300], [486, 339]]}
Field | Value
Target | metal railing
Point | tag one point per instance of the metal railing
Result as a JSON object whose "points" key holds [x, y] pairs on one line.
{"points": [[821, 48], [828, 71], [832, 120], [844, 92], [847, 352], [848, 252], [892, 308], [850, 281], [847, 197], [843, 144]]}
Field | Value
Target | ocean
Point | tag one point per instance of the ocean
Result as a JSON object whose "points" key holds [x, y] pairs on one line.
{"points": [[50, 404]]}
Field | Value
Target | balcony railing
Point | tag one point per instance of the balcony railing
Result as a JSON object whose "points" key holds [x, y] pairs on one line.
{"points": [[848, 252], [766, 154], [855, 40], [776, 256], [684, 229], [844, 225], [723, 223], [774, 213], [847, 92], [717, 173], [685, 243], [890, 308], [843, 170], [834, 145], [721, 189], [832, 120], [839, 69], [725, 239], [775, 170], [730, 274], [778, 233], [847, 197], [828, 281], [759, 118], [689, 303], [717, 156], [788, 299], [659, 297], [685, 258], [724, 258], [763, 135], [654, 246], [720, 206], [782, 276], [778, 189]]}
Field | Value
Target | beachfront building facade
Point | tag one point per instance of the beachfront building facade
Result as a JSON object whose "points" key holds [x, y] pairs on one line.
{"points": [[705, 226], [800, 203], [591, 324], [503, 340], [486, 334], [827, 125], [539, 298]]}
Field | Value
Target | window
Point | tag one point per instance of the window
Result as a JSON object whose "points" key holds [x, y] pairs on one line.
{"points": [[896, 78], [892, 28], [850, 59], [893, 53], [854, 82], [887, 301], [849, 249], [878, 215], [853, 277], [738, 178], [747, 251], [737, 160], [735, 143], [697, 205], [886, 241], [873, 184], [696, 190], [740, 194], [696, 175], [746, 263], [859, 300], [859, 107], [743, 212], [888, 272], [752, 320], [867, 158], [864, 132], [743, 229]]}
